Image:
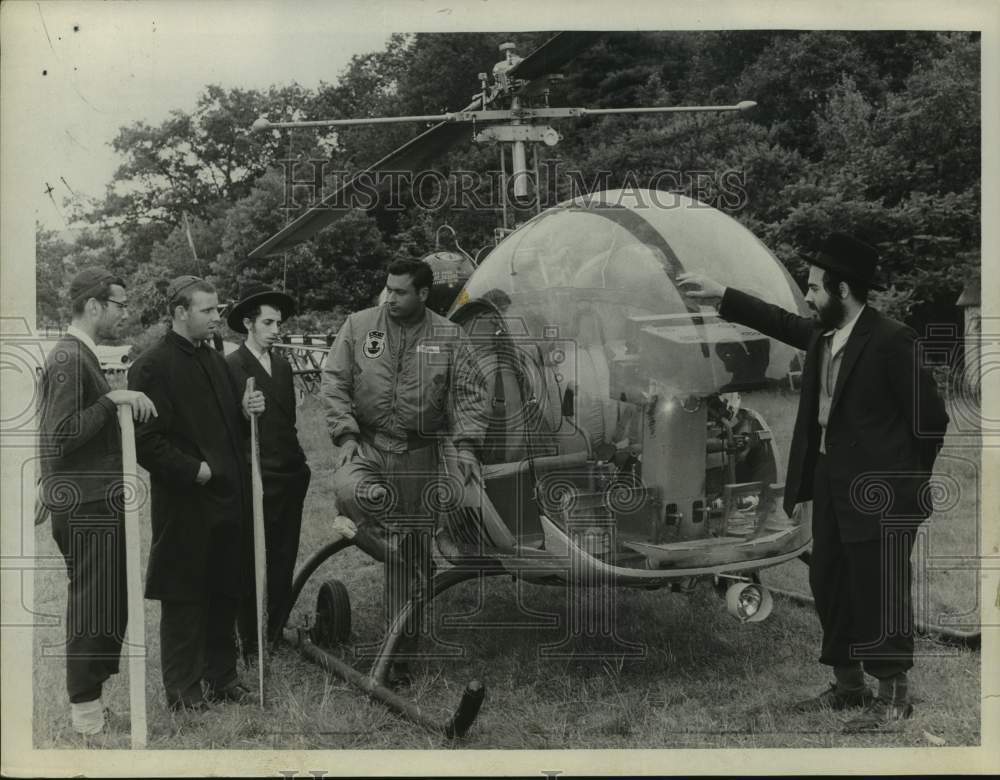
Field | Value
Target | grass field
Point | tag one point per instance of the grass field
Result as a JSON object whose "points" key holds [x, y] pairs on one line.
{"points": [[699, 679]]}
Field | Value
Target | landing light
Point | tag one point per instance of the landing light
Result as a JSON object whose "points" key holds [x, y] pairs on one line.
{"points": [[749, 602]]}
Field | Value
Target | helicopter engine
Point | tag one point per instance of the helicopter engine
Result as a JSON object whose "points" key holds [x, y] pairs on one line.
{"points": [[687, 362]]}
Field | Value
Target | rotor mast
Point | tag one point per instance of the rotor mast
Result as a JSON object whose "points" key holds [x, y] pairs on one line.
{"points": [[515, 126], [503, 109]]}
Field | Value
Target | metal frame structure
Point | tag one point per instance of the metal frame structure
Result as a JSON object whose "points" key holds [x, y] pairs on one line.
{"points": [[502, 106], [375, 683]]}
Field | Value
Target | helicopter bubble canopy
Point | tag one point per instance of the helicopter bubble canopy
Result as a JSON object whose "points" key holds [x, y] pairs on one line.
{"points": [[600, 271]]}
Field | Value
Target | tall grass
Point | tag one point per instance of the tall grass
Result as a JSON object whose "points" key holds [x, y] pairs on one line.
{"points": [[699, 680]]}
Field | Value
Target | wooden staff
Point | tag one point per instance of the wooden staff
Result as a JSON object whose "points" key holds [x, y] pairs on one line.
{"points": [[135, 635], [259, 548]]}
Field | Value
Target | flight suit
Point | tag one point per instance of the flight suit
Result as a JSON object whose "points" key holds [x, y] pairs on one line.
{"points": [[410, 395]]}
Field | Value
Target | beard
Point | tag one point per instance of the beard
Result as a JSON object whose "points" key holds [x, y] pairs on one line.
{"points": [[405, 314], [832, 314]]}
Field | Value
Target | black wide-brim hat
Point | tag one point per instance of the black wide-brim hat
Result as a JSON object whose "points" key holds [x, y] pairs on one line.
{"points": [[849, 258], [256, 294]]}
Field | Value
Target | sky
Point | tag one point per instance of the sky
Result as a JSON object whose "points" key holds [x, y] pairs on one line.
{"points": [[75, 71], [91, 68]]}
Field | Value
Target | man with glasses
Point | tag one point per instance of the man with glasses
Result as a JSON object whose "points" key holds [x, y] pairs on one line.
{"points": [[194, 452], [81, 463]]}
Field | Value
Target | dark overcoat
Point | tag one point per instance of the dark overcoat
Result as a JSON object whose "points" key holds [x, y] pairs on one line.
{"points": [[281, 456], [80, 441], [199, 419], [886, 425]]}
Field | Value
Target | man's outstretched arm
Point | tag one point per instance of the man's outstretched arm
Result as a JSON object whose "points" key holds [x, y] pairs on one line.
{"points": [[741, 307]]}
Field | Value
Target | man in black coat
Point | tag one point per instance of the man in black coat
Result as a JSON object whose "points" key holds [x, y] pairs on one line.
{"points": [[81, 463], [194, 452], [869, 426], [259, 314]]}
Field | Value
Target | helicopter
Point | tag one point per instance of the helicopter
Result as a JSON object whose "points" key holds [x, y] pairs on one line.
{"points": [[628, 443]]}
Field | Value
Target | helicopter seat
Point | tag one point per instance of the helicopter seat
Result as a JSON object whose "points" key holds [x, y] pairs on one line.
{"points": [[596, 413], [511, 488]]}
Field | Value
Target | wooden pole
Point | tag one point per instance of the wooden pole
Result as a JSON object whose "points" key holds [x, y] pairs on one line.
{"points": [[259, 548], [135, 635]]}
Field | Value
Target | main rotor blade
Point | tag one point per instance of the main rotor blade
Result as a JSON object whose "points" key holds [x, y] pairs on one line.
{"points": [[743, 105], [548, 57], [553, 54], [263, 124], [408, 157]]}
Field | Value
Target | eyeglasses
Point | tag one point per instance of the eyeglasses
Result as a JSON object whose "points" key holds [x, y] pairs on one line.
{"points": [[123, 304]]}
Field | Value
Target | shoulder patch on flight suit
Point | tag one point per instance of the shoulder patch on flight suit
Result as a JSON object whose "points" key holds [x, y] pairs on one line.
{"points": [[374, 344]]}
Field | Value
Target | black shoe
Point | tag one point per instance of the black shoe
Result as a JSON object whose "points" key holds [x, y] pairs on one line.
{"points": [[235, 692], [880, 715], [833, 699]]}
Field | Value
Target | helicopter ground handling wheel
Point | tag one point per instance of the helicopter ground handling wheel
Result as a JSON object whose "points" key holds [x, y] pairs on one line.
{"points": [[333, 615], [333, 626]]}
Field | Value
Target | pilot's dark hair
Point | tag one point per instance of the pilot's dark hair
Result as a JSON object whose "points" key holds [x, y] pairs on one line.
{"points": [[832, 280], [417, 270]]}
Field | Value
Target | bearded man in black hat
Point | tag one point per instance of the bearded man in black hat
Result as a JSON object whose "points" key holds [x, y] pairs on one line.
{"points": [[259, 314], [870, 422]]}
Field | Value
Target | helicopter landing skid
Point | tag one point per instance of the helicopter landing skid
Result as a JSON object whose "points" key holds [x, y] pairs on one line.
{"points": [[412, 611], [374, 684], [456, 726]]}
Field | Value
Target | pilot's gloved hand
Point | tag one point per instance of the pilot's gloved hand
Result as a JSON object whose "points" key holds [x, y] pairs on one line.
{"points": [[344, 527], [346, 451]]}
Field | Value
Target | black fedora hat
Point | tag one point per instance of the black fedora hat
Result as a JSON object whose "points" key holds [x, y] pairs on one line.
{"points": [[847, 257], [256, 294]]}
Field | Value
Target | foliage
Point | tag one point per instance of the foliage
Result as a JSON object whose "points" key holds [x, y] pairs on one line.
{"points": [[148, 337], [875, 133], [57, 260], [880, 179], [316, 322], [52, 275]]}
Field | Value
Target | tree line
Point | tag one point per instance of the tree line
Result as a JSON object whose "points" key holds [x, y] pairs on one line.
{"points": [[874, 133]]}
